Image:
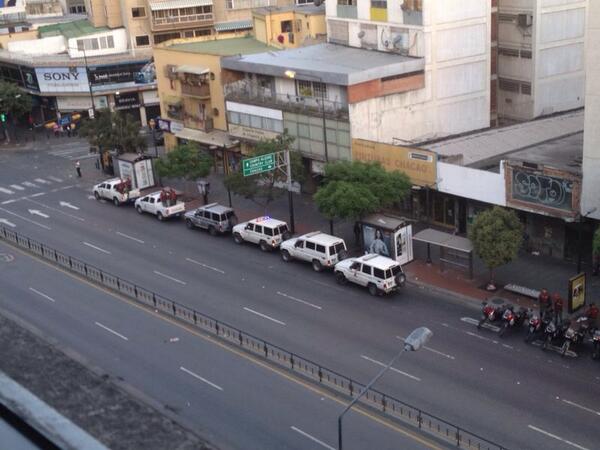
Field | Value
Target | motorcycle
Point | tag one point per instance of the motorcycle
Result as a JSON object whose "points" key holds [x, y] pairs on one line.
{"points": [[575, 334], [490, 313], [536, 324], [552, 333], [510, 318], [596, 344]]}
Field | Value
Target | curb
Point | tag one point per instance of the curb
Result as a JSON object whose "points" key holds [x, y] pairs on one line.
{"points": [[465, 300]]}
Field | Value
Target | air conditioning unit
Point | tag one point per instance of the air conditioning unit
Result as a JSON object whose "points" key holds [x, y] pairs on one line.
{"points": [[524, 20]]}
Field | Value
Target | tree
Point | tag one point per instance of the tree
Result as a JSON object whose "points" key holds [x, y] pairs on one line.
{"points": [[354, 189], [113, 130], [14, 101], [265, 185], [497, 236], [185, 161]]}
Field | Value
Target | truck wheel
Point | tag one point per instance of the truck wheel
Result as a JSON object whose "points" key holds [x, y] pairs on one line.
{"points": [[373, 289], [285, 255], [340, 278], [189, 224], [264, 246], [237, 238], [160, 217], [212, 231], [139, 209], [97, 195], [116, 201], [317, 267]]}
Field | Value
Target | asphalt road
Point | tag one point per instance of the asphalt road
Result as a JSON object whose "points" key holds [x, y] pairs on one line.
{"points": [[505, 390], [231, 399]]}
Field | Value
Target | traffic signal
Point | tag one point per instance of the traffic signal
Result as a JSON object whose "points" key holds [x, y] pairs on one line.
{"points": [[2, 117]]}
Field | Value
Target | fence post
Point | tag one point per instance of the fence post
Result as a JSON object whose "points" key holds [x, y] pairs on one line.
{"points": [[195, 319], [320, 375], [457, 437], [383, 402], [351, 388], [174, 309], [419, 419], [292, 360], [266, 349]]}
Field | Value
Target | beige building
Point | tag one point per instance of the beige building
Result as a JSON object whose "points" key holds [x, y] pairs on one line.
{"points": [[290, 26], [151, 22]]}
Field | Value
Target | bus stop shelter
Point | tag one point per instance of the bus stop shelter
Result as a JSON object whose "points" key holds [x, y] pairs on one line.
{"points": [[454, 250]]}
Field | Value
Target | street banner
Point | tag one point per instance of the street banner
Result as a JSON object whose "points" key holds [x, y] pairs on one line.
{"points": [[576, 292]]}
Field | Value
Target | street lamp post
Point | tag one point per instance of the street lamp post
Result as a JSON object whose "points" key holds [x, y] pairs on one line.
{"points": [[580, 237], [415, 340], [292, 74]]}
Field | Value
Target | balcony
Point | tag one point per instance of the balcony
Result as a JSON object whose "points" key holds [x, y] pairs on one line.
{"points": [[347, 11], [243, 92], [181, 22], [197, 123], [202, 91], [248, 4]]}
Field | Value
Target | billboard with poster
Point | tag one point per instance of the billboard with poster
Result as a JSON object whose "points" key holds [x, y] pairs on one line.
{"points": [[387, 236], [576, 292]]}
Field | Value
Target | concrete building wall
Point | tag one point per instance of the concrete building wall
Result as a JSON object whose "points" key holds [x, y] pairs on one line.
{"points": [[120, 38], [591, 137]]}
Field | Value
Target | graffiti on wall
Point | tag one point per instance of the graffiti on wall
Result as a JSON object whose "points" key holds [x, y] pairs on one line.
{"points": [[542, 190]]}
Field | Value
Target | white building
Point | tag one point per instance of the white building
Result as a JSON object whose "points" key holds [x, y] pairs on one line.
{"points": [[541, 64]]}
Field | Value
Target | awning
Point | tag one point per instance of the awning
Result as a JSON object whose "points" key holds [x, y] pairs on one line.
{"points": [[217, 138], [159, 5], [447, 240], [196, 70], [234, 25]]}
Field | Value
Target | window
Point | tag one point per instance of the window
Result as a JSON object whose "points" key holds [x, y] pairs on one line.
{"points": [[110, 42], [366, 269], [526, 88], [258, 228], [379, 4], [142, 40], [320, 248], [77, 9], [138, 11], [311, 88], [379, 273], [204, 32], [526, 54], [286, 26], [508, 52], [250, 226], [310, 245], [268, 231], [508, 85], [346, 2], [303, 2], [337, 248], [158, 38]]}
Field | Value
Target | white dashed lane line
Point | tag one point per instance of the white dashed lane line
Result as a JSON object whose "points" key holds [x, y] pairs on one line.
{"points": [[104, 327], [393, 369], [264, 316], [126, 236], [558, 438], [96, 248], [206, 266], [304, 302], [168, 277], [41, 294], [312, 438], [198, 377], [429, 349]]}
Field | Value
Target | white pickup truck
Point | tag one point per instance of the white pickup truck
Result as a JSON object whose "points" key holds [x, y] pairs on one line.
{"points": [[152, 204], [116, 190]]}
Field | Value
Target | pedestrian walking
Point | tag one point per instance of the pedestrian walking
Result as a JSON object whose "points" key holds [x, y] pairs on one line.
{"points": [[73, 126], [78, 168], [67, 128], [98, 163], [544, 301], [357, 230], [558, 308]]}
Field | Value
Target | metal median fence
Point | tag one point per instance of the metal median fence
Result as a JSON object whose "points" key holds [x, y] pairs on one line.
{"points": [[383, 403]]}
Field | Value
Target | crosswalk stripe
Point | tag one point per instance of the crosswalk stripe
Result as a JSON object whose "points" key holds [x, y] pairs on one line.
{"points": [[73, 158], [29, 184], [53, 178], [6, 191], [17, 187], [42, 181]]}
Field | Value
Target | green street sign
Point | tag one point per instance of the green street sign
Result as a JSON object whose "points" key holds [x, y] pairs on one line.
{"points": [[258, 164]]}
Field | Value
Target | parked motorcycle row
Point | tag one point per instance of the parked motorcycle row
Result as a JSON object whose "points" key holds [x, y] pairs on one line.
{"points": [[562, 336]]}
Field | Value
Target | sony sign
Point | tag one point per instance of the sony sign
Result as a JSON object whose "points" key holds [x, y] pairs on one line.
{"points": [[62, 79]]}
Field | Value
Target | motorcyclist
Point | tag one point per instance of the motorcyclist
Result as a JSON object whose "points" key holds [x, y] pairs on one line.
{"points": [[544, 301], [592, 312], [558, 308]]}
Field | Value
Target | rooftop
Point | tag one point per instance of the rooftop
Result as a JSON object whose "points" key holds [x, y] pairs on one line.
{"points": [[223, 47], [333, 64], [70, 30], [302, 9], [484, 148], [564, 153]]}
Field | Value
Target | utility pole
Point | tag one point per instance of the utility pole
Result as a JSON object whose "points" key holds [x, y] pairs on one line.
{"points": [[288, 171]]}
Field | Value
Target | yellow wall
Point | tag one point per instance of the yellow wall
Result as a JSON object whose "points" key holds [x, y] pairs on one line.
{"points": [[267, 28], [20, 36]]}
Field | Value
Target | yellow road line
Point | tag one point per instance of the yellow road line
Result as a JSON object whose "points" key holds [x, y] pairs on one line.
{"points": [[249, 357]]}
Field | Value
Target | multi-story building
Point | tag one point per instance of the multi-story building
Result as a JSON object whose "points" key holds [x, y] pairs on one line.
{"points": [[393, 72], [151, 22], [541, 67]]}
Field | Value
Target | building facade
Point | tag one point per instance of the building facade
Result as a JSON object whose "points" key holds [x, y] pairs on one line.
{"points": [[541, 63]]}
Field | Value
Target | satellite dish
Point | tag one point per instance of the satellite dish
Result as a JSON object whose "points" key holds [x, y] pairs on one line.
{"points": [[361, 34]]}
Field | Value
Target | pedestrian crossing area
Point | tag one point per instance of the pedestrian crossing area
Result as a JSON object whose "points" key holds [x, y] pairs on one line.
{"points": [[29, 186], [71, 150]]}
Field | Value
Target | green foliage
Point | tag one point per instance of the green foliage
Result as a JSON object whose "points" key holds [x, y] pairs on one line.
{"points": [[596, 242], [497, 235], [354, 189], [114, 130], [13, 100], [261, 188], [185, 161]]}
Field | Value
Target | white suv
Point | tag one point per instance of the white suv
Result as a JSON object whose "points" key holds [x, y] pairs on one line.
{"points": [[268, 233], [322, 250], [376, 272]]}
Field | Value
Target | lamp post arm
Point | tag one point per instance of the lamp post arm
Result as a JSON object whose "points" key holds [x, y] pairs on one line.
{"points": [[364, 391]]}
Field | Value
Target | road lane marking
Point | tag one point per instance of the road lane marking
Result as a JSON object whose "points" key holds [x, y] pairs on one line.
{"points": [[206, 266], [437, 352], [111, 331], [41, 294], [264, 316], [558, 438], [41, 181], [379, 363], [473, 321], [6, 191], [129, 237], [312, 438], [81, 219], [6, 202], [96, 248], [195, 375], [16, 187], [170, 278], [29, 184], [39, 194], [581, 407], [68, 205], [58, 180], [396, 427], [35, 212], [25, 219], [7, 222], [304, 302]]}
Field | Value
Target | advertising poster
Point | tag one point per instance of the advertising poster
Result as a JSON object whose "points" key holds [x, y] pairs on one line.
{"points": [[144, 175], [126, 171], [576, 292], [377, 240], [62, 79]]}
